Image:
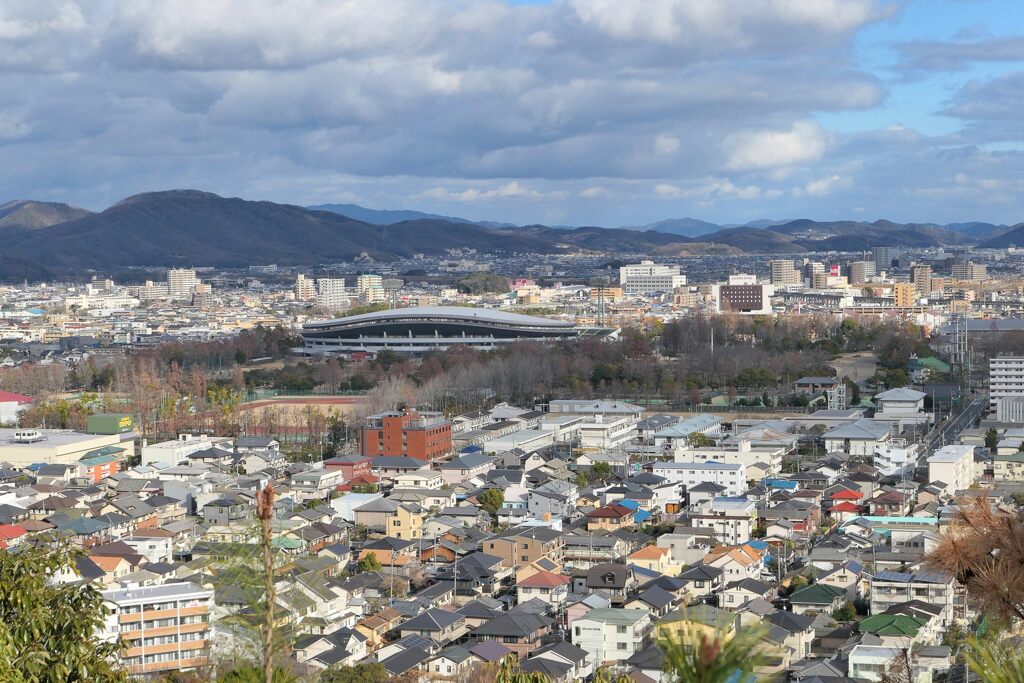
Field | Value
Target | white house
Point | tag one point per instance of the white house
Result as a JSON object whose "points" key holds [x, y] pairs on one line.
{"points": [[861, 437], [612, 634], [733, 476], [903, 404], [954, 466]]}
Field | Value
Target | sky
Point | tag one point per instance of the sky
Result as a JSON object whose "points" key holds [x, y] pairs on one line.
{"points": [[573, 112]]}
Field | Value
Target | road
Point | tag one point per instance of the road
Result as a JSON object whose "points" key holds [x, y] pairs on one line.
{"points": [[949, 430]]}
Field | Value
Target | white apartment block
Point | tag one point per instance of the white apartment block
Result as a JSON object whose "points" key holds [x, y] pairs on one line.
{"points": [[954, 466], [1005, 378], [331, 293], [181, 283], [648, 276], [612, 634], [604, 433], [164, 628], [370, 288], [733, 476], [1010, 410]]}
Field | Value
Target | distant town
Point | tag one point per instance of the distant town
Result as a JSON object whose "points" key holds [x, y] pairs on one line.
{"points": [[562, 459]]}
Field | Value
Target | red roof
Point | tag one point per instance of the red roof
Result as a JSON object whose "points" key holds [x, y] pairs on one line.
{"points": [[8, 397], [8, 531], [847, 494], [611, 510], [845, 506], [544, 580]]}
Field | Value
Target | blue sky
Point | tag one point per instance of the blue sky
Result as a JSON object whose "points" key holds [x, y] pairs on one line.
{"points": [[606, 112]]}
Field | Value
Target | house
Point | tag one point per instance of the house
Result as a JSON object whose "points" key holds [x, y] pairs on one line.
{"points": [[227, 509], [738, 593], [615, 580], [888, 589], [612, 635], [552, 659], [343, 647], [655, 600], [817, 598], [814, 385], [654, 558], [455, 662], [610, 517], [466, 467], [903, 404], [701, 580], [548, 587], [523, 545], [521, 632], [439, 625], [860, 437]]}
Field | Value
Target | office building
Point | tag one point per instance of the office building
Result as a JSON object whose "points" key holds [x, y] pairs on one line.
{"points": [[181, 283], [406, 432], [647, 276], [784, 272], [861, 271], [305, 288], [883, 257], [331, 293], [743, 295], [1005, 378], [163, 628]]}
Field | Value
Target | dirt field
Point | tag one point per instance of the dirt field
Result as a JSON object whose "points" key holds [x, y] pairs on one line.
{"points": [[856, 366], [340, 405]]}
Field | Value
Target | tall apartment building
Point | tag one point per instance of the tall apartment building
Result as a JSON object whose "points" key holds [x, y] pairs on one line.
{"points": [[331, 293], [181, 283], [164, 628], [370, 289], [921, 276], [784, 272], [904, 294], [969, 270], [1005, 378], [884, 256], [406, 432], [860, 271], [305, 288], [809, 269], [648, 276]]}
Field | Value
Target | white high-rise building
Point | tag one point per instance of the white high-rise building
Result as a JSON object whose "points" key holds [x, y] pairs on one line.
{"points": [[181, 283], [331, 293], [370, 288], [648, 276], [1005, 378]]}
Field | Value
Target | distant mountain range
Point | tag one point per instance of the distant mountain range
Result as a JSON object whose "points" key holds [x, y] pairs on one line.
{"points": [[188, 227]]}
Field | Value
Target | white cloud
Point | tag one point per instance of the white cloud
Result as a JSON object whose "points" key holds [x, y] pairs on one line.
{"points": [[666, 144], [804, 142], [708, 187]]}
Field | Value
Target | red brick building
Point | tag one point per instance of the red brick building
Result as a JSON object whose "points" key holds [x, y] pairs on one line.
{"points": [[406, 432], [351, 466]]}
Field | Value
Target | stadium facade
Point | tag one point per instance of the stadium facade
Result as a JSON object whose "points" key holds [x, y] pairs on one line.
{"points": [[421, 329]]}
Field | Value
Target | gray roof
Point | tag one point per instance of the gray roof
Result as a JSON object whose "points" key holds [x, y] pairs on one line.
{"points": [[456, 313]]}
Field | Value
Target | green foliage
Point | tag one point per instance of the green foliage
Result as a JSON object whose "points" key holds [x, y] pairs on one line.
{"points": [[845, 613], [368, 308], [482, 283], [292, 377], [254, 674], [360, 673], [694, 656], [756, 378], [581, 479], [370, 563], [699, 440], [600, 470], [996, 661], [48, 632], [991, 439], [509, 672], [491, 500], [385, 358]]}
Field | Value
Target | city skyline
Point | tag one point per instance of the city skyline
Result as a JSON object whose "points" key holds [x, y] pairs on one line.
{"points": [[605, 113]]}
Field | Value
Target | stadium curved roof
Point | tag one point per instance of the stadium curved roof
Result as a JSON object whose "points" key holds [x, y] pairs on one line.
{"points": [[460, 313]]}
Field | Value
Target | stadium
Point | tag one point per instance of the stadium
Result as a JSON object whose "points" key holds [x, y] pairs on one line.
{"points": [[431, 328]]}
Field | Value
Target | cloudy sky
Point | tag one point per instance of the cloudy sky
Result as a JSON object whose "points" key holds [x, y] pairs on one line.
{"points": [[604, 112]]}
